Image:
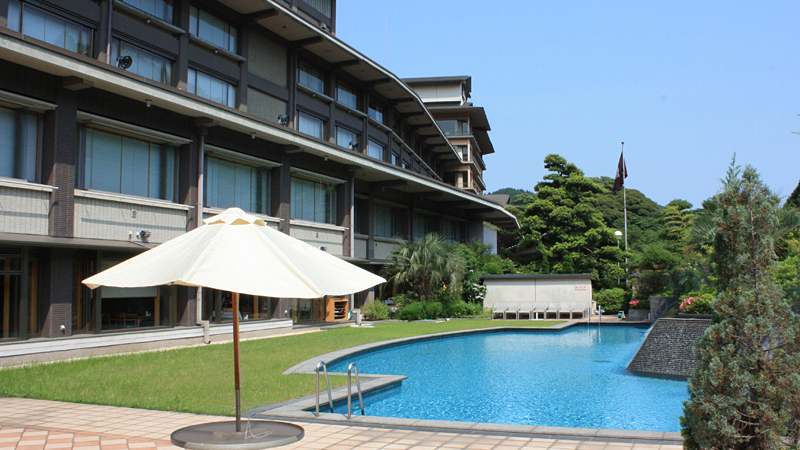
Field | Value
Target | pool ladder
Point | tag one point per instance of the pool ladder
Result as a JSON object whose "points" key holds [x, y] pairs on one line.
{"points": [[351, 368]]}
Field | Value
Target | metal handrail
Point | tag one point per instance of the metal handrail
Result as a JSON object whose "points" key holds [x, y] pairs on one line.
{"points": [[353, 368], [322, 365]]}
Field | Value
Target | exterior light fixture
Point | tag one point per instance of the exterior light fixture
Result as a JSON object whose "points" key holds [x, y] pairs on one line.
{"points": [[124, 62], [148, 102]]}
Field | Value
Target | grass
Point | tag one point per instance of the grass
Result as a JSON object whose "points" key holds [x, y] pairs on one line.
{"points": [[200, 379]]}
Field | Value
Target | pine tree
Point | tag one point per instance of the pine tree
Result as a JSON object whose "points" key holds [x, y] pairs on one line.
{"points": [[562, 230], [746, 392]]}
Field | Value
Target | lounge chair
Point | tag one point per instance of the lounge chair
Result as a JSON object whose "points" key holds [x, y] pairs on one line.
{"points": [[513, 310], [552, 308], [499, 308], [565, 308], [539, 308], [525, 309]]}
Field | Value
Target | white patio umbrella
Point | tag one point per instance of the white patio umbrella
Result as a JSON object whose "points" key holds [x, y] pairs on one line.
{"points": [[236, 252]]}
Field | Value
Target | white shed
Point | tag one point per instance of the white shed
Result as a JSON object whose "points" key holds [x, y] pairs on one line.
{"points": [[544, 289]]}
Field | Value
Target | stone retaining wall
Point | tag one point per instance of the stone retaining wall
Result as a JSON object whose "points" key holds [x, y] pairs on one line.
{"points": [[667, 349]]}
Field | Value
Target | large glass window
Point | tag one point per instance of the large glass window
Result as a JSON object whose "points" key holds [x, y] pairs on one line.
{"points": [[126, 165], [454, 127], [212, 29], [346, 138], [230, 184], [158, 8], [313, 200], [48, 27], [144, 63], [384, 221], [211, 88], [11, 294], [463, 152], [310, 125], [376, 112], [19, 144], [452, 231], [311, 77], [423, 225], [346, 95], [375, 150]]}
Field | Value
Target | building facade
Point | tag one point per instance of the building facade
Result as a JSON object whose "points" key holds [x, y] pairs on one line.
{"points": [[123, 123]]}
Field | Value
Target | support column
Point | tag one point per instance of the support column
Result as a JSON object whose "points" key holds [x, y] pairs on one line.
{"points": [[371, 227], [56, 299], [281, 189]]}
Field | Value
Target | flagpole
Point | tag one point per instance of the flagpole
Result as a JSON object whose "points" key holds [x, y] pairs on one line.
{"points": [[625, 216]]}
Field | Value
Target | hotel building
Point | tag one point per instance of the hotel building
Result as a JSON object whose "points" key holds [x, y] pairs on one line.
{"points": [[123, 123]]}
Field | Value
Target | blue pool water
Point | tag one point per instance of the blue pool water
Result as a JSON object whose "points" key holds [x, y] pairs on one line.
{"points": [[570, 378]]}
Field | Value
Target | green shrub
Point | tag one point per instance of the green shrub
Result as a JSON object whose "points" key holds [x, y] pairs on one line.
{"points": [[376, 310], [610, 300], [433, 310], [460, 309], [697, 303], [401, 300], [411, 311], [420, 311]]}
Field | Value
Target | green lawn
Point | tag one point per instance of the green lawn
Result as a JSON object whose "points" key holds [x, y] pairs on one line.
{"points": [[200, 379]]}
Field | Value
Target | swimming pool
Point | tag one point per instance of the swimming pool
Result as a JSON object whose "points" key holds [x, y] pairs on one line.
{"points": [[570, 378]]}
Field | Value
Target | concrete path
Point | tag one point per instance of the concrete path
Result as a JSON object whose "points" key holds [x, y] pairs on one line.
{"points": [[27, 424]]}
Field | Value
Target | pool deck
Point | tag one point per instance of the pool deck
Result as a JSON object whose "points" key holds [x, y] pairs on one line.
{"points": [[27, 424]]}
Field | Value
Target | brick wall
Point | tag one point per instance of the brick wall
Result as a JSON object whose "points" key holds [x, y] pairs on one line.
{"points": [[667, 350]]}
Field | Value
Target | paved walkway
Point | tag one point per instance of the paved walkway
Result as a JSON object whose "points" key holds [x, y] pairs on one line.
{"points": [[47, 425]]}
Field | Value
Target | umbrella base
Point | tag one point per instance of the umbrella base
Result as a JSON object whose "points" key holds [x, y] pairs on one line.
{"points": [[255, 434]]}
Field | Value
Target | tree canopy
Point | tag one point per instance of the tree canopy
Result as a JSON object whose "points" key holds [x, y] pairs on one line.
{"points": [[746, 392], [562, 230]]}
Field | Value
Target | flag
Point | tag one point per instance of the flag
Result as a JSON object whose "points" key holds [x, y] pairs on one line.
{"points": [[622, 173]]}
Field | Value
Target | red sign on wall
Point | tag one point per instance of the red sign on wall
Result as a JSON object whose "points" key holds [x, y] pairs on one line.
{"points": [[581, 287]]}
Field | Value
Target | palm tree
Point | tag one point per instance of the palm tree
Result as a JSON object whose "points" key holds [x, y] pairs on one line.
{"points": [[425, 265]]}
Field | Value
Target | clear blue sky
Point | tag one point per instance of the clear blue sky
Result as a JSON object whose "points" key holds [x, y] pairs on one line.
{"points": [[684, 83]]}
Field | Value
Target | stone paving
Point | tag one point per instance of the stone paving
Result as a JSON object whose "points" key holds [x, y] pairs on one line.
{"points": [[27, 424]]}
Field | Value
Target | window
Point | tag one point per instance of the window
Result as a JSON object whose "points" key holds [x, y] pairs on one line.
{"points": [[454, 127], [212, 29], [452, 232], [375, 150], [346, 138], [406, 163], [346, 96], [313, 200], [19, 144], [423, 225], [158, 8], [311, 77], [127, 165], [384, 221], [463, 152], [145, 63], [53, 29], [230, 184], [395, 158], [323, 6], [211, 88], [310, 125], [376, 112]]}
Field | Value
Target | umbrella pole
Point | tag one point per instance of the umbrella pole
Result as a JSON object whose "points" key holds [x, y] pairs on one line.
{"points": [[236, 374]]}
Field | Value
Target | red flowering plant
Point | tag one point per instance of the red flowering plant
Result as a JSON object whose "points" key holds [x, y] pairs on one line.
{"points": [[639, 304], [697, 303]]}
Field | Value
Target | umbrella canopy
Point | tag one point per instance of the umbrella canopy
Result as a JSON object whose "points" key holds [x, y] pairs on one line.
{"points": [[237, 252]]}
